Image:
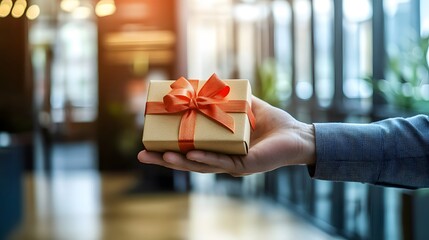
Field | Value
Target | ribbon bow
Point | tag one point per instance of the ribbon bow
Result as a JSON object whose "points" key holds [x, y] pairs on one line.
{"points": [[211, 101], [184, 98]]}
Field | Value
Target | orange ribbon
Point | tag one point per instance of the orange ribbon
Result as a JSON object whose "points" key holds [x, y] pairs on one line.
{"points": [[210, 100]]}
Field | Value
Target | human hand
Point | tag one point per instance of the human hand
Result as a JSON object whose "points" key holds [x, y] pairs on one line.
{"points": [[278, 140]]}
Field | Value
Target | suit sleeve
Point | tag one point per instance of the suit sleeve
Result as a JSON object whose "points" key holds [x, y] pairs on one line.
{"points": [[392, 152]]}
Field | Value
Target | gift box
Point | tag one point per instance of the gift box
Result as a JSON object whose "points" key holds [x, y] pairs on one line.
{"points": [[213, 115]]}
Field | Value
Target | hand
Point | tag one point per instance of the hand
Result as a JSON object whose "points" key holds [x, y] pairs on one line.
{"points": [[278, 140]]}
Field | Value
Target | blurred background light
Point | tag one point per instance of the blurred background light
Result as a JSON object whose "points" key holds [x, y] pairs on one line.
{"points": [[4, 10], [105, 8], [5, 7], [281, 11], [69, 5], [77, 8], [33, 12], [304, 90], [303, 9], [391, 6], [425, 92], [250, 12], [7, 3], [4, 139], [323, 6], [357, 11], [19, 8], [82, 12]]}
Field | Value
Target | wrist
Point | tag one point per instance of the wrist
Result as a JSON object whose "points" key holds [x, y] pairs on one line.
{"points": [[309, 144]]}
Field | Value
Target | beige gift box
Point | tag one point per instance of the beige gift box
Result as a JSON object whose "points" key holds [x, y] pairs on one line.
{"points": [[160, 133]]}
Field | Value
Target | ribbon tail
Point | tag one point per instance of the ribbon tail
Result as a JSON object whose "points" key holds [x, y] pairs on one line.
{"points": [[251, 117], [214, 112]]}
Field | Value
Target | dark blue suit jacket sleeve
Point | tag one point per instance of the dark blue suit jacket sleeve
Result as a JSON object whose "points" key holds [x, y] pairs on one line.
{"points": [[392, 152]]}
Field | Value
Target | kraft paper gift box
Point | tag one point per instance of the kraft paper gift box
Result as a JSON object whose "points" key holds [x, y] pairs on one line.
{"points": [[213, 115]]}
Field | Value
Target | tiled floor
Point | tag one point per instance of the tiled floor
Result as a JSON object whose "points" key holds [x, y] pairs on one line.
{"points": [[85, 205]]}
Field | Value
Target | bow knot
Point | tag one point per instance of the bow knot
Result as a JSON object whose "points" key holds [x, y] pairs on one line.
{"points": [[184, 97], [193, 104]]}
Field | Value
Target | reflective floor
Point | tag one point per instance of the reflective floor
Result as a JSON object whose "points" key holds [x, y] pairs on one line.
{"points": [[86, 205], [77, 202]]}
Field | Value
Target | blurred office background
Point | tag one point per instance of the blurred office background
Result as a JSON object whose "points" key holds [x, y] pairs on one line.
{"points": [[73, 78]]}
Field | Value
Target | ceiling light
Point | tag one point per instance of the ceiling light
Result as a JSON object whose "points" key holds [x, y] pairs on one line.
{"points": [[7, 3], [33, 12], [69, 5], [105, 8], [19, 8], [4, 10], [82, 12]]}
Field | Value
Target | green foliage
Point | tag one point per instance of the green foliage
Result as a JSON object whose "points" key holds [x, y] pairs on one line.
{"points": [[267, 82], [409, 72]]}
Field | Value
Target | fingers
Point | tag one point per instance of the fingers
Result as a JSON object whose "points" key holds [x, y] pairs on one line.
{"points": [[209, 158], [149, 157], [257, 105], [157, 159], [232, 164], [176, 161]]}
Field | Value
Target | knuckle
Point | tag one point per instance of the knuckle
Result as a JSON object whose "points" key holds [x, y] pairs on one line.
{"points": [[239, 165], [168, 160]]}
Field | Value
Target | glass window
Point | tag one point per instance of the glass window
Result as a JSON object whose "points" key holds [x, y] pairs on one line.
{"points": [[424, 18], [282, 21], [74, 78], [323, 42], [407, 82], [399, 24], [302, 10], [392, 215], [323, 203], [246, 39], [357, 27], [210, 38], [355, 210]]}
